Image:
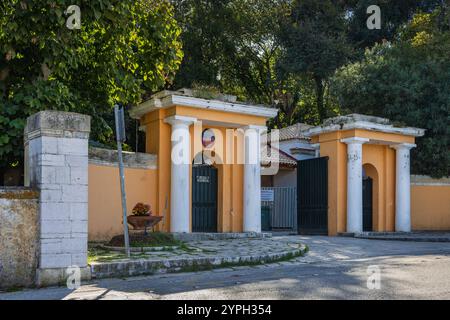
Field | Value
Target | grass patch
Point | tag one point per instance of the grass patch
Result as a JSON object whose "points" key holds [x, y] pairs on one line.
{"points": [[101, 255], [152, 239], [13, 289]]}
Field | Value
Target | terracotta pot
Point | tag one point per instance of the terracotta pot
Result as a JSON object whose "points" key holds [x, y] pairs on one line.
{"points": [[142, 222]]}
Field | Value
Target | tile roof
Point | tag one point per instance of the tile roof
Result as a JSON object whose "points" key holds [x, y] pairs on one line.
{"points": [[269, 154], [295, 131]]}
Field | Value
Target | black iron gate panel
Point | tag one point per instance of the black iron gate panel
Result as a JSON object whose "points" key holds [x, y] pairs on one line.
{"points": [[312, 196], [367, 204], [204, 199]]}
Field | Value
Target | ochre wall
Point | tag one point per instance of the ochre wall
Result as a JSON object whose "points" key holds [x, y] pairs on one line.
{"points": [[430, 207], [230, 176], [105, 206]]}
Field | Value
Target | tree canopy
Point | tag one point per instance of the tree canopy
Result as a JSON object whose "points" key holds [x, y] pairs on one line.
{"points": [[407, 81], [310, 59], [123, 49]]}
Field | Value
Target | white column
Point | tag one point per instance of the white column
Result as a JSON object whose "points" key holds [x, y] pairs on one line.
{"points": [[179, 180], [252, 179], [403, 188], [354, 184]]}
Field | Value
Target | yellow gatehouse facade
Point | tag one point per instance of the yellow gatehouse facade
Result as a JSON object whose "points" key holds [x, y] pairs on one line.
{"points": [[205, 156], [361, 147], [174, 123]]}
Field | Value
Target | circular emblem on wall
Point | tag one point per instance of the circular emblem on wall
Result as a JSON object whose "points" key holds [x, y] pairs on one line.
{"points": [[208, 138]]}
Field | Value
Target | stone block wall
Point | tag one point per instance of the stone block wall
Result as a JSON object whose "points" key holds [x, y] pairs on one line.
{"points": [[56, 162], [19, 237]]}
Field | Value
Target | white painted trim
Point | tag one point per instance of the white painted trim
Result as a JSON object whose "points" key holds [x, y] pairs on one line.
{"points": [[405, 146], [420, 180], [354, 140], [254, 127], [180, 119], [172, 100], [365, 125]]}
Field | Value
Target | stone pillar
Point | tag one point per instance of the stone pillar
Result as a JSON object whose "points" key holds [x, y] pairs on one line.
{"points": [[403, 187], [252, 179], [56, 158], [354, 184], [179, 180]]}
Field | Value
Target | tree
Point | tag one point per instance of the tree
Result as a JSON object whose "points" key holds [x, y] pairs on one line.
{"points": [[315, 43], [394, 14], [122, 50], [408, 82]]}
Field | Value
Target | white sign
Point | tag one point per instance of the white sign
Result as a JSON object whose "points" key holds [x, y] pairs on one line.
{"points": [[267, 195], [203, 179]]}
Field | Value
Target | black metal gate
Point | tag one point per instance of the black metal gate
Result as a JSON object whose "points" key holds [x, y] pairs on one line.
{"points": [[367, 204], [312, 196], [204, 199]]}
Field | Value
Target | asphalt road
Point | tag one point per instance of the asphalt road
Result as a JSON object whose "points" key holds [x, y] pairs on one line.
{"points": [[335, 268]]}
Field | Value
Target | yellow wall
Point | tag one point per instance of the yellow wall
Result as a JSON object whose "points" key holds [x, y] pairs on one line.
{"points": [[105, 206], [230, 176], [430, 207]]}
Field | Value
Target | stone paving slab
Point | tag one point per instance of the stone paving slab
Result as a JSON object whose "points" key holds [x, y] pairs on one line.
{"points": [[203, 255], [406, 236]]}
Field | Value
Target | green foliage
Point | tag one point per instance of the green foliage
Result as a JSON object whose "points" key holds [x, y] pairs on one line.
{"points": [[315, 44], [408, 82], [394, 14], [124, 49]]}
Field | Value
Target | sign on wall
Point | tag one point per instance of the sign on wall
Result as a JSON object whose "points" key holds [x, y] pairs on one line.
{"points": [[202, 179], [267, 195], [208, 138]]}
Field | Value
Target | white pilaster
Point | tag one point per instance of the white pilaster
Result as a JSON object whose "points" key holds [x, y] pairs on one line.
{"points": [[403, 187], [252, 179], [179, 181], [354, 184]]}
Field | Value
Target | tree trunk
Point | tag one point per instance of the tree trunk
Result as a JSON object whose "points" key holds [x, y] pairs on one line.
{"points": [[319, 98]]}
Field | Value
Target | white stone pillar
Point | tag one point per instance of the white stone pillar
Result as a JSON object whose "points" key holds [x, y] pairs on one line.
{"points": [[56, 159], [403, 187], [354, 184], [179, 180], [252, 179]]}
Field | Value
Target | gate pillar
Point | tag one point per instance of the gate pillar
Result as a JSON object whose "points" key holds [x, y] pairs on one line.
{"points": [[179, 180], [56, 163], [354, 184]]}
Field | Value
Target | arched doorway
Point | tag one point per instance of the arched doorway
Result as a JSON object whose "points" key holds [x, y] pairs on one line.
{"points": [[367, 204], [204, 197], [370, 197]]}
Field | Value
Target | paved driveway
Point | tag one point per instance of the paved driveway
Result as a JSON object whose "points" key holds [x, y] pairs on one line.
{"points": [[335, 268]]}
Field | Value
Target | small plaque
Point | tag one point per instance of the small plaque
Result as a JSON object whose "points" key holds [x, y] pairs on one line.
{"points": [[267, 195], [202, 179]]}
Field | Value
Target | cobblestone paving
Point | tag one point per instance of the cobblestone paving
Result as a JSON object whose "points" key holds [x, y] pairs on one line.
{"points": [[218, 248]]}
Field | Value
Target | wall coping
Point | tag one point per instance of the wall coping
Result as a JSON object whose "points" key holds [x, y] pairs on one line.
{"points": [[364, 122], [57, 124], [420, 180], [166, 99], [136, 160], [18, 193]]}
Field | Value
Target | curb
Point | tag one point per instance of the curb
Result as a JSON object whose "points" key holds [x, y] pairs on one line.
{"points": [[139, 267], [387, 238], [404, 236]]}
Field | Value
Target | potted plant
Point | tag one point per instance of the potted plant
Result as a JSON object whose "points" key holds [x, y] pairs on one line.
{"points": [[142, 217]]}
